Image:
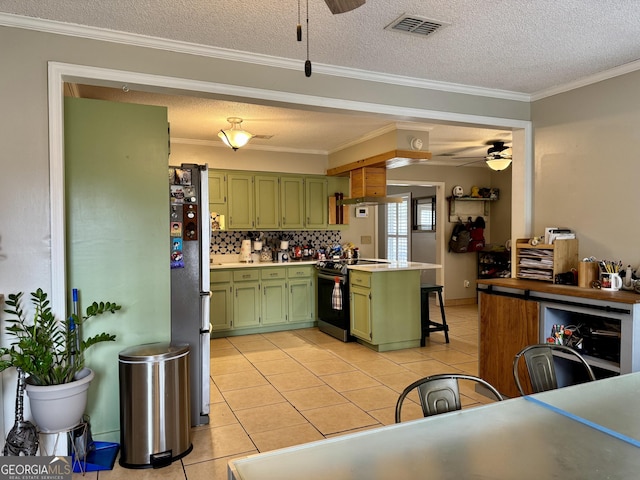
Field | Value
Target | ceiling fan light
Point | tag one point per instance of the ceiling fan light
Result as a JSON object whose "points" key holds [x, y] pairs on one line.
{"points": [[235, 137], [498, 164]]}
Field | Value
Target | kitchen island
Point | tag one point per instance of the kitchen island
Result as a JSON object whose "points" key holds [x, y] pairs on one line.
{"points": [[385, 304], [514, 313]]}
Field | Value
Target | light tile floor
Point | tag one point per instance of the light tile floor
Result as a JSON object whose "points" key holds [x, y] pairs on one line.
{"points": [[275, 390]]}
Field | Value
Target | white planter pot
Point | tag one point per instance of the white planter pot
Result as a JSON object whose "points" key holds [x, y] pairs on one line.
{"points": [[59, 408]]}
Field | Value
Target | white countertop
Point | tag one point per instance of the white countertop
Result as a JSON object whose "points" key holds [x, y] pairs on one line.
{"points": [[218, 266], [388, 266], [394, 266]]}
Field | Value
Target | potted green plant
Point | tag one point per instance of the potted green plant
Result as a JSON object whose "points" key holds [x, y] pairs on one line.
{"points": [[51, 354]]}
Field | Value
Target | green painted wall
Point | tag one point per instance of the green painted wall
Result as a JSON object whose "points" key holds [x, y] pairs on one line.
{"points": [[117, 227]]}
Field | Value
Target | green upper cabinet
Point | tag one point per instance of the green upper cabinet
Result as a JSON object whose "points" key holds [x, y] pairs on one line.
{"points": [[270, 201], [315, 190], [292, 202], [217, 187], [267, 201], [240, 201], [218, 192]]}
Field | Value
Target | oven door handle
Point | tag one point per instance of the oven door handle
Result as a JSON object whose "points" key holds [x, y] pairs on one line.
{"points": [[324, 276]]}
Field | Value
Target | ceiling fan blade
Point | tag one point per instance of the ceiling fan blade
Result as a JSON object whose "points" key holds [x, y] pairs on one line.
{"points": [[472, 162], [341, 6]]}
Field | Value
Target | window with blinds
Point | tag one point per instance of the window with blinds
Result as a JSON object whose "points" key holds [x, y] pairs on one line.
{"points": [[398, 230]]}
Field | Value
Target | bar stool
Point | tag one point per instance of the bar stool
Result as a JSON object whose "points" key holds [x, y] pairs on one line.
{"points": [[428, 325]]}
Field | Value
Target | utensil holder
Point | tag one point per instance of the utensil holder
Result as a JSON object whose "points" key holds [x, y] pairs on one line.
{"points": [[587, 273]]}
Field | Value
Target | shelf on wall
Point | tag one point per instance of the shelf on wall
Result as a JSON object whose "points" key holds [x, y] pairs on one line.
{"points": [[473, 207]]}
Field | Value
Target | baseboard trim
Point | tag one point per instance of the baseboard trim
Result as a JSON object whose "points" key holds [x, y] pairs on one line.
{"points": [[454, 302]]}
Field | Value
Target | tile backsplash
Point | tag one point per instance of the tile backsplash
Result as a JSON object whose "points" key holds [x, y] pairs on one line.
{"points": [[223, 243]]}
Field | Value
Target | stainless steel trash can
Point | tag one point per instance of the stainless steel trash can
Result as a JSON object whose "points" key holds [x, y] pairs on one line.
{"points": [[155, 426]]}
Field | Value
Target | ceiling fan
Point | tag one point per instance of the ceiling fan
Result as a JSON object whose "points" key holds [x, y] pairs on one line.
{"points": [[341, 6], [498, 156]]}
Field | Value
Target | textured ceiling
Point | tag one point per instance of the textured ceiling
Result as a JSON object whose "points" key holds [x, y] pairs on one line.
{"points": [[522, 46], [514, 45]]}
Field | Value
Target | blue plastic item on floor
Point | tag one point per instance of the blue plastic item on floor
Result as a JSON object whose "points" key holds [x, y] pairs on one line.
{"points": [[102, 458]]}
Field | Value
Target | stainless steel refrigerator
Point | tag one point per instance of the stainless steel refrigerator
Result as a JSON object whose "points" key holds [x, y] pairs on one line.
{"points": [[190, 233]]}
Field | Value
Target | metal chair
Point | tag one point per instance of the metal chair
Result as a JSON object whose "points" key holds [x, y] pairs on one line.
{"points": [[440, 393], [539, 360]]}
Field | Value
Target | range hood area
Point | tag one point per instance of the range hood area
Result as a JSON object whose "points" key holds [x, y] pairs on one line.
{"points": [[368, 177]]}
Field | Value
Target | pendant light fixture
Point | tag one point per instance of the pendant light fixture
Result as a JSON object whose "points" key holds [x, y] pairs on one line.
{"points": [[235, 137], [498, 164]]}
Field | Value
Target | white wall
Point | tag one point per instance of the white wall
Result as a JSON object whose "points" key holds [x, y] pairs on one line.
{"points": [[586, 166]]}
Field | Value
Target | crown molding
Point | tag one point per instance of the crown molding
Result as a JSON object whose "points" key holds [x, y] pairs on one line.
{"points": [[590, 80], [103, 34]]}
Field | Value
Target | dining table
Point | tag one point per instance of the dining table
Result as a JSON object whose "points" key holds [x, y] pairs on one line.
{"points": [[587, 431]]}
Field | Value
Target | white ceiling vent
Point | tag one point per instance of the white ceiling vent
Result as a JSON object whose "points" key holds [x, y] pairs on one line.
{"points": [[415, 25]]}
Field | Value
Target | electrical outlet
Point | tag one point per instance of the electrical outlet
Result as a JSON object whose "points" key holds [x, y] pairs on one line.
{"points": [[466, 284]]}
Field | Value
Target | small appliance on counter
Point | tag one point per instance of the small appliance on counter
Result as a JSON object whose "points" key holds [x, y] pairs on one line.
{"points": [[266, 255], [245, 251], [296, 252], [283, 256]]}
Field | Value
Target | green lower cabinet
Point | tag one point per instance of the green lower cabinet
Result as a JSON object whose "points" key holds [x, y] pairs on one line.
{"points": [[361, 313], [246, 304], [221, 309], [274, 302], [253, 300], [302, 293], [221, 305], [274, 295], [301, 300], [246, 298], [385, 308]]}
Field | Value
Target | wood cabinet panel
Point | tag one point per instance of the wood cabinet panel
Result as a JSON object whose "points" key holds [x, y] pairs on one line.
{"points": [[507, 325]]}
